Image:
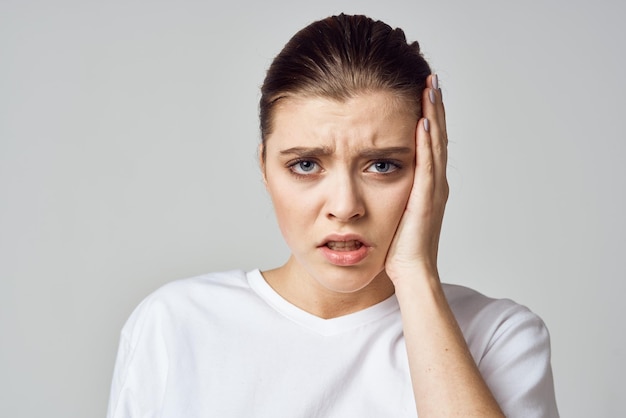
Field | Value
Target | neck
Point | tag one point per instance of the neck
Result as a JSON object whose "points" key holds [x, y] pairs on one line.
{"points": [[303, 291]]}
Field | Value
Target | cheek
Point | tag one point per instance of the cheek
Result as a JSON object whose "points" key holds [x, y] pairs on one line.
{"points": [[392, 203], [294, 210]]}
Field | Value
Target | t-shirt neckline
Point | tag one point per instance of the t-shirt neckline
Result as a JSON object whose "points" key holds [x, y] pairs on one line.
{"points": [[325, 327]]}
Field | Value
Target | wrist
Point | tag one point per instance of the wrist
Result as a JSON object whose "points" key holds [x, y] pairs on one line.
{"points": [[418, 270], [419, 279]]}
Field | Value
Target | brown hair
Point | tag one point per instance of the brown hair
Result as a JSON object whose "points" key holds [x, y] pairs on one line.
{"points": [[339, 57]]}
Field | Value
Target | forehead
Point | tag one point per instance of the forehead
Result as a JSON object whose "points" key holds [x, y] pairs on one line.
{"points": [[375, 118]]}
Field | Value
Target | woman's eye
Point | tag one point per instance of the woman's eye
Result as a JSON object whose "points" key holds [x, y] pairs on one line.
{"points": [[304, 167], [382, 167]]}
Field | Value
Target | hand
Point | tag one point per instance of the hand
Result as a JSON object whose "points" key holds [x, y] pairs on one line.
{"points": [[446, 380], [416, 242]]}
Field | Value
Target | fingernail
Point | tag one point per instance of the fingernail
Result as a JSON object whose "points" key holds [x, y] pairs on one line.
{"points": [[435, 82], [431, 96], [426, 125]]}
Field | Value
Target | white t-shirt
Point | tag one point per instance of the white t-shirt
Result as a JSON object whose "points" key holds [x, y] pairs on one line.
{"points": [[227, 345]]}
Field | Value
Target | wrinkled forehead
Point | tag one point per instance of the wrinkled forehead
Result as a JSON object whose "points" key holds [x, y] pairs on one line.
{"points": [[386, 100], [295, 111], [367, 120]]}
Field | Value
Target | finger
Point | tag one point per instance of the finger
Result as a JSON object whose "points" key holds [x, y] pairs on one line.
{"points": [[433, 83], [424, 182], [433, 111], [439, 114]]}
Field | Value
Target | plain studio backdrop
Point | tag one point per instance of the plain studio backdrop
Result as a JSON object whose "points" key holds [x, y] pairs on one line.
{"points": [[128, 137]]}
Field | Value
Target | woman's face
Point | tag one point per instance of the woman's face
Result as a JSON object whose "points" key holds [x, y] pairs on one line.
{"points": [[339, 175]]}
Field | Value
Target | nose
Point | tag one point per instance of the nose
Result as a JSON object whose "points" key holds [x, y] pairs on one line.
{"points": [[344, 200]]}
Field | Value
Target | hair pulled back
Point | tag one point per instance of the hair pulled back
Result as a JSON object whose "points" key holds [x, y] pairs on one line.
{"points": [[340, 57]]}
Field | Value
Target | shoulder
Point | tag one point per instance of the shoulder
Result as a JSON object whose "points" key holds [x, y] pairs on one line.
{"points": [[201, 283], [511, 347], [487, 322], [468, 300], [198, 287], [470, 306], [180, 299], [164, 322]]}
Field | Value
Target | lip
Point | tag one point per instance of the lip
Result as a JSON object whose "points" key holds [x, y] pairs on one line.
{"points": [[344, 237], [345, 258]]}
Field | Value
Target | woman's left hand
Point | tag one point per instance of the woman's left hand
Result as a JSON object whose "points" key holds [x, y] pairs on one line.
{"points": [[416, 242], [446, 380]]}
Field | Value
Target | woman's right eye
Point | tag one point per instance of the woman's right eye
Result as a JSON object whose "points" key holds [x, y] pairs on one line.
{"points": [[304, 167]]}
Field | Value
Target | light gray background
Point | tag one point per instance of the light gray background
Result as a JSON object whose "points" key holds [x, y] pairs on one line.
{"points": [[128, 133]]}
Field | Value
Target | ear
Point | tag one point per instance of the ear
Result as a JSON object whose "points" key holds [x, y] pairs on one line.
{"points": [[260, 152]]}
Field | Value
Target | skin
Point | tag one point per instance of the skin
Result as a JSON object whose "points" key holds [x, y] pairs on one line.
{"points": [[340, 190], [343, 193]]}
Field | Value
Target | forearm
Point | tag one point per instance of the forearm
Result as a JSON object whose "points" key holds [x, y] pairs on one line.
{"points": [[446, 380]]}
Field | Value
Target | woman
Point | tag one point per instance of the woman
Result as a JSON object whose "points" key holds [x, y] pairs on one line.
{"points": [[356, 323]]}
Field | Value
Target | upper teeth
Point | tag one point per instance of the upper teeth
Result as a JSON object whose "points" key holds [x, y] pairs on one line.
{"points": [[344, 245]]}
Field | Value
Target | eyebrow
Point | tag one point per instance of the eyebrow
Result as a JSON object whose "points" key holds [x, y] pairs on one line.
{"points": [[378, 153], [308, 151], [373, 153]]}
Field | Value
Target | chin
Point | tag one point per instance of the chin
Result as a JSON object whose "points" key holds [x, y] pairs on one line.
{"points": [[346, 279]]}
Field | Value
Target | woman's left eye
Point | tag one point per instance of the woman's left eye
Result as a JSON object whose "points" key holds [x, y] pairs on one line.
{"points": [[382, 167]]}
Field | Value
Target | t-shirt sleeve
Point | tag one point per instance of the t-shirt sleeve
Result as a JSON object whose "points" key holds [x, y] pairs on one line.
{"points": [[515, 364], [141, 367], [121, 404]]}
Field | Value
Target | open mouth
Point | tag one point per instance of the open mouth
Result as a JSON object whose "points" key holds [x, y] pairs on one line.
{"points": [[345, 250], [351, 245]]}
